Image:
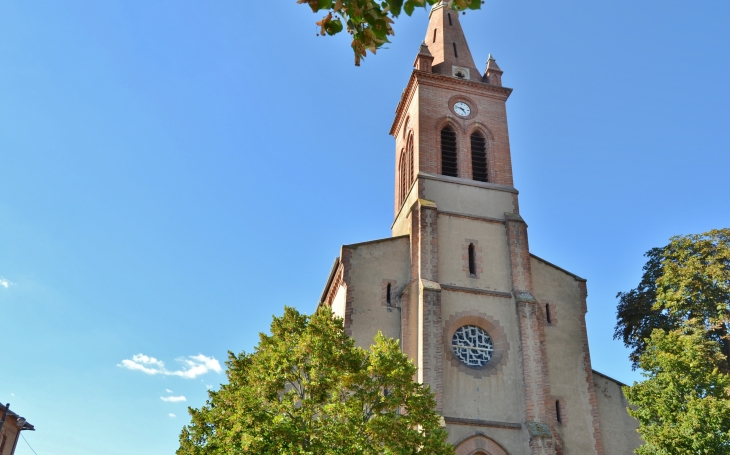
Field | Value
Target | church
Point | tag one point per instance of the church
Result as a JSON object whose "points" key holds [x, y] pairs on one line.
{"points": [[498, 333]]}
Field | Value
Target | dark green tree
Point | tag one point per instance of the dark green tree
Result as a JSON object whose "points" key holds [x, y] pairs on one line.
{"points": [[687, 279], [307, 389], [370, 21]]}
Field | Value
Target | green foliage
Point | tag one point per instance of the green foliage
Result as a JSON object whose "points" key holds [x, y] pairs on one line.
{"points": [[369, 21], [307, 389], [676, 321], [635, 313], [689, 279], [683, 406]]}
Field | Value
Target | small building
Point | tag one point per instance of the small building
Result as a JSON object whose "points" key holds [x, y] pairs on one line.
{"points": [[11, 424], [498, 333]]}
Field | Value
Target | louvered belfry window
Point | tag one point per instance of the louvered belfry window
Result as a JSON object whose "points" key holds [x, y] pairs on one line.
{"points": [[479, 157], [448, 152]]}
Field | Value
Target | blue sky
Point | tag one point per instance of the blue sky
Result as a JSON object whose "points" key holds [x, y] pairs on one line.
{"points": [[172, 173]]}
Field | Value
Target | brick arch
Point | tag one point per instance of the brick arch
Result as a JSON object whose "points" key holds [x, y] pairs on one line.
{"points": [[448, 120], [479, 445], [482, 128]]}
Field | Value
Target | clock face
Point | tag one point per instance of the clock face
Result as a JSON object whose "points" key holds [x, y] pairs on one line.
{"points": [[462, 109]]}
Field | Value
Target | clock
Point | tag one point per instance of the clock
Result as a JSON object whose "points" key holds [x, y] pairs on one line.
{"points": [[462, 109]]}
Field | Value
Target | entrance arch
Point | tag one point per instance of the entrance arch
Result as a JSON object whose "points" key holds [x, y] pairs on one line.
{"points": [[479, 445]]}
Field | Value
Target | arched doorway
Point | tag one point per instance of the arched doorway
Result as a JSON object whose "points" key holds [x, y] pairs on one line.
{"points": [[479, 445]]}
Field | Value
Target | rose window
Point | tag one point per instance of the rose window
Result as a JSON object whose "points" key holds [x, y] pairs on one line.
{"points": [[472, 345]]}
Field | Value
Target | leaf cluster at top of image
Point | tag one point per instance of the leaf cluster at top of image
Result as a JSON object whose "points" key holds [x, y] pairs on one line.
{"points": [[370, 22]]}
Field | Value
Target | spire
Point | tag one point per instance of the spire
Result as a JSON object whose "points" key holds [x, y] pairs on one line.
{"points": [[493, 75], [424, 59], [446, 42]]}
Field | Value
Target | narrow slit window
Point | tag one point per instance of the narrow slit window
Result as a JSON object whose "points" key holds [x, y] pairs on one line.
{"points": [[557, 411], [448, 152], [434, 34], [456, 54], [387, 294], [479, 157], [450, 19], [472, 261], [547, 313]]}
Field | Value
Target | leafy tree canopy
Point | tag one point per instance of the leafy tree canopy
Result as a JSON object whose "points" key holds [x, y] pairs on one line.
{"points": [[683, 406], [307, 389], [370, 21], [689, 279]]}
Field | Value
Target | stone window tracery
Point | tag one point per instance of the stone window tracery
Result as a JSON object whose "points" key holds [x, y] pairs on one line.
{"points": [[472, 345]]}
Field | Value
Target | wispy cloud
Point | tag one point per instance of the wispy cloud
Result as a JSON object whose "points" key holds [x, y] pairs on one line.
{"points": [[5, 282], [174, 399], [172, 415], [168, 390], [192, 366]]}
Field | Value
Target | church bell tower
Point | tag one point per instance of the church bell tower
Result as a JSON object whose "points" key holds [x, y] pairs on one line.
{"points": [[497, 333]]}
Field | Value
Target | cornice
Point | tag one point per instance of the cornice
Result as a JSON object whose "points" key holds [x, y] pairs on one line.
{"points": [[405, 98], [467, 182], [447, 82], [455, 180], [469, 86], [454, 288]]}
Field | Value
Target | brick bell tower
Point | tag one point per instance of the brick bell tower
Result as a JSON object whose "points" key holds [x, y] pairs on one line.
{"points": [[497, 333]]}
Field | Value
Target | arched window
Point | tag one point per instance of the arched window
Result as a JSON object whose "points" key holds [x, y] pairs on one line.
{"points": [[472, 261], [409, 160], [402, 165], [557, 411], [448, 152], [479, 157]]}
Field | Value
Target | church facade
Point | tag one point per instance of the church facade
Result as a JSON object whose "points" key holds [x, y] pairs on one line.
{"points": [[498, 333]]}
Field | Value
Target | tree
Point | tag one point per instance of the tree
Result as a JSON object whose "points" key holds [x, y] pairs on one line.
{"points": [[307, 389], [683, 406], [687, 279], [369, 21]]}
